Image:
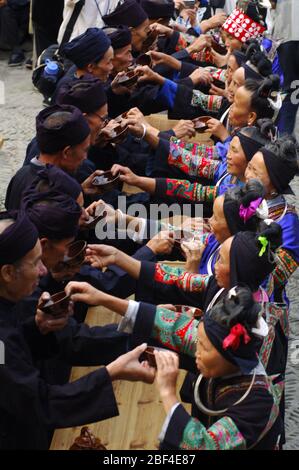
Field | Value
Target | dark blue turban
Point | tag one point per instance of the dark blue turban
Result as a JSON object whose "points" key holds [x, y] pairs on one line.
{"points": [[56, 180], [120, 36], [52, 139], [88, 48], [17, 239], [158, 8], [129, 13], [87, 94], [55, 215]]}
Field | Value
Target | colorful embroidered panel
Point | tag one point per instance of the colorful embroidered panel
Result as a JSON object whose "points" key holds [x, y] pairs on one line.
{"points": [[192, 191], [222, 435]]}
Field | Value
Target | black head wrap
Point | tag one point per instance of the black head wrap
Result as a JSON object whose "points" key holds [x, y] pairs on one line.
{"points": [[156, 9], [251, 256], [120, 36], [239, 56], [17, 239], [249, 145], [240, 207], [52, 139], [88, 48], [56, 180], [55, 215], [280, 173], [229, 324], [88, 94], [129, 13]]}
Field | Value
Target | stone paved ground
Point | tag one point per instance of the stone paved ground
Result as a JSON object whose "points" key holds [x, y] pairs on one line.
{"points": [[17, 123]]}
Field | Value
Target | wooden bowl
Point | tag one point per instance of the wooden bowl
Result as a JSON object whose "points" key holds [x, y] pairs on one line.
{"points": [[75, 254], [219, 83], [149, 41], [91, 223], [144, 59], [105, 182], [200, 124], [149, 355], [57, 305], [117, 134], [129, 79], [192, 312]]}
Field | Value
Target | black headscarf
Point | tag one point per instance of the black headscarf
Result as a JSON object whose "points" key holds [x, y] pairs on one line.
{"points": [[280, 173], [57, 180], [88, 94], [156, 9], [129, 13], [235, 328], [53, 139], [249, 263], [90, 47], [249, 145], [17, 239], [55, 215], [120, 36]]}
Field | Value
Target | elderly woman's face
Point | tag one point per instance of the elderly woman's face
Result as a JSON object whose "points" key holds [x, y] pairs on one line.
{"points": [[208, 360], [238, 80], [218, 221], [256, 169], [236, 160], [222, 265]]}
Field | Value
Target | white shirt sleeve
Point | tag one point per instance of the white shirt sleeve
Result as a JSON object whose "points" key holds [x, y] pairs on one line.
{"points": [[167, 421], [127, 323]]}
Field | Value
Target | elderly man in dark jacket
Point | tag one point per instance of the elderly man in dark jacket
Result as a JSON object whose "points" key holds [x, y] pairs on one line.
{"points": [[14, 28]]}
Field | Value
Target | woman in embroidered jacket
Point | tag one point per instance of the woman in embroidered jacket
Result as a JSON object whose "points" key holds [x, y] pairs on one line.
{"points": [[237, 403]]}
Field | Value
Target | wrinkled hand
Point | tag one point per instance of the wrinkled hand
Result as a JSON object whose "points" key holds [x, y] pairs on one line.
{"points": [[161, 30], [148, 75], [218, 59], [217, 20], [100, 206], [137, 114], [101, 256], [128, 367], [48, 323], [184, 128], [87, 186], [83, 292], [193, 252], [200, 75], [167, 372], [217, 129], [126, 175], [165, 59], [162, 243], [200, 43]]}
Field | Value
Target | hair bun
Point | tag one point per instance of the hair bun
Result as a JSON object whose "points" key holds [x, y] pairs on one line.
{"points": [[237, 307], [272, 232], [270, 84], [267, 128]]}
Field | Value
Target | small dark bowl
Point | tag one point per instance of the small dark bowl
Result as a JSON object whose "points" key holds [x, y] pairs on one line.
{"points": [[129, 79], [106, 182], [149, 41], [149, 355], [144, 59], [219, 48], [117, 134], [121, 117], [200, 124], [76, 253], [57, 305], [192, 312], [219, 83], [91, 223]]}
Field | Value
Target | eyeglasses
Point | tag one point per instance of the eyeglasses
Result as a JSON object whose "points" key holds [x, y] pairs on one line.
{"points": [[104, 119]]}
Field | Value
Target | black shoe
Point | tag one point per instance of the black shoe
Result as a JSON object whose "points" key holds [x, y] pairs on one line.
{"points": [[16, 59]]}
